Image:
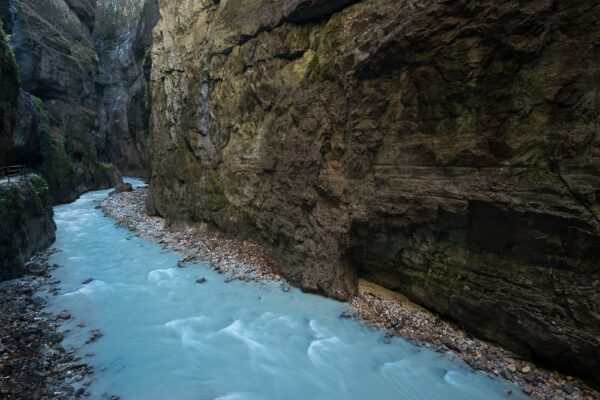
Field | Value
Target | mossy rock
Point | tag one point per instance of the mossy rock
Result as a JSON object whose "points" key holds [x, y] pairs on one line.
{"points": [[9, 71]]}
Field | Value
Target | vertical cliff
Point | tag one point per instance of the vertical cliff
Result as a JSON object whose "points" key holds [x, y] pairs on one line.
{"points": [[125, 70], [27, 224], [448, 150], [57, 129], [9, 87]]}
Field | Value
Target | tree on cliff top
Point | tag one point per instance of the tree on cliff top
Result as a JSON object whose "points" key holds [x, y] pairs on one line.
{"points": [[112, 15]]}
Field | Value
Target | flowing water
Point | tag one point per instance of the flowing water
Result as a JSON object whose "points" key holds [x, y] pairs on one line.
{"points": [[167, 337]]}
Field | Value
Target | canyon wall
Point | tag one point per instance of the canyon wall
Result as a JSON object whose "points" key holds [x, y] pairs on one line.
{"points": [[9, 89], [125, 65], [27, 224], [58, 67], [448, 150]]}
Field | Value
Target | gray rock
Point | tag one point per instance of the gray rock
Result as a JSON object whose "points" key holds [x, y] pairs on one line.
{"points": [[64, 315]]}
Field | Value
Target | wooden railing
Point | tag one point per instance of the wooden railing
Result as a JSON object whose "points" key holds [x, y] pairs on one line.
{"points": [[13, 172]]}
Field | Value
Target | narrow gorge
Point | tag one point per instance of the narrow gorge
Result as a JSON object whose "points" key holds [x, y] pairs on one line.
{"points": [[434, 165]]}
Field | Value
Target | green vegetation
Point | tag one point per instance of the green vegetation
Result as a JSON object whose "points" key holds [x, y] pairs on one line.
{"points": [[56, 167], [113, 15], [215, 193], [39, 187], [9, 72], [11, 202]]}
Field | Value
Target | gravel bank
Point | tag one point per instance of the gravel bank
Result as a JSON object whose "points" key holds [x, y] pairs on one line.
{"points": [[374, 305], [33, 364]]}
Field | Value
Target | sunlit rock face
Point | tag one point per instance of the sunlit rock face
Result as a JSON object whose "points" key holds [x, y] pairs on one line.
{"points": [[446, 150]]}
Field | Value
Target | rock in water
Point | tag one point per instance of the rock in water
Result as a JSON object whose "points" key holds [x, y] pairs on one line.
{"points": [[64, 315]]}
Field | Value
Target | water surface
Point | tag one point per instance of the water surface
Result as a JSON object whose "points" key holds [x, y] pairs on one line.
{"points": [[167, 337]]}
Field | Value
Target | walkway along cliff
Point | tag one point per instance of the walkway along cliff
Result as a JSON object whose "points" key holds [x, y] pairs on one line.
{"points": [[448, 150]]}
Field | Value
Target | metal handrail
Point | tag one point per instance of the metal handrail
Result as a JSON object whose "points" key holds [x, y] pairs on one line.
{"points": [[12, 171]]}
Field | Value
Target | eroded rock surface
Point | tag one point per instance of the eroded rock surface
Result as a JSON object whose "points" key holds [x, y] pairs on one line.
{"points": [[448, 150], [125, 65], [57, 129], [27, 225]]}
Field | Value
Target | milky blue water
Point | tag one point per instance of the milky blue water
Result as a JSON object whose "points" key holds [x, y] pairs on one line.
{"points": [[167, 337]]}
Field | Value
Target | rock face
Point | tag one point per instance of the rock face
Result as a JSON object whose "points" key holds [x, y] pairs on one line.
{"points": [[27, 224], [125, 70], [57, 120], [448, 150], [9, 87]]}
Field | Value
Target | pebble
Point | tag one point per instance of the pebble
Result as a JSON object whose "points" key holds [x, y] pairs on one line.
{"points": [[201, 280], [568, 388], [95, 334], [32, 360], [64, 315]]}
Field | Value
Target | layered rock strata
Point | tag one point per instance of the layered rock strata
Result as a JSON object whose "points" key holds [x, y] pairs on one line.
{"points": [[448, 150]]}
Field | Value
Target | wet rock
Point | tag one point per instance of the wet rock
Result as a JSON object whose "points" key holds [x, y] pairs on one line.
{"points": [[87, 281], [348, 314], [95, 334], [38, 301], [54, 337], [201, 280], [64, 315], [36, 268]]}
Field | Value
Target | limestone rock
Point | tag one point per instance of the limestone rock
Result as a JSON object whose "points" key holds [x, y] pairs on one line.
{"points": [[447, 150], [27, 227], [57, 128]]}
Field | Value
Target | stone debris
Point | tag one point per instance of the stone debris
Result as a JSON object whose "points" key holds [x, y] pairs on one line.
{"points": [[33, 363], [64, 315], [384, 310], [95, 334], [395, 315], [245, 261]]}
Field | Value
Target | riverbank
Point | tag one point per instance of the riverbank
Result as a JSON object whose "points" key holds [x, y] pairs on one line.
{"points": [[375, 306], [33, 363]]}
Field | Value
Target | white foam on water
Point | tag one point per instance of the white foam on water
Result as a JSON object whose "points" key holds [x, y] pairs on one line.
{"points": [[166, 337]]}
